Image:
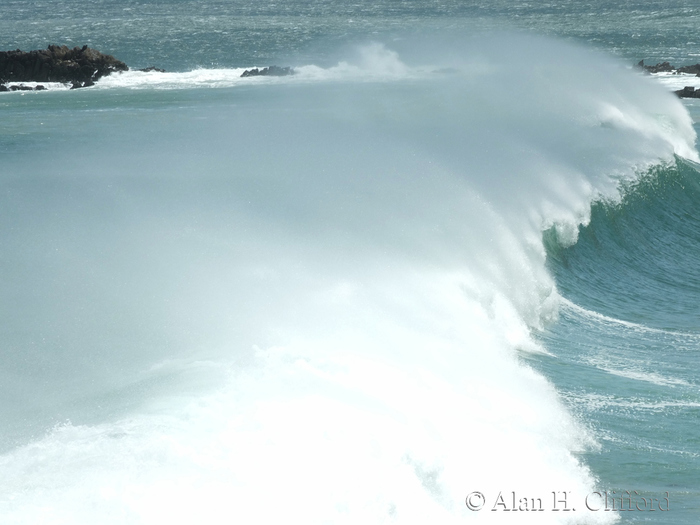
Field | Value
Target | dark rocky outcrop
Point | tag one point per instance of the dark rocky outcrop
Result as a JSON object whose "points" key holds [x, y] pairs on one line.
{"points": [[76, 84], [665, 67], [692, 70], [80, 66], [22, 87], [150, 69], [688, 92], [272, 71]]}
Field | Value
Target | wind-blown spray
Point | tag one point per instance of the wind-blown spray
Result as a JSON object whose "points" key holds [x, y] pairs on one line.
{"points": [[353, 258]]}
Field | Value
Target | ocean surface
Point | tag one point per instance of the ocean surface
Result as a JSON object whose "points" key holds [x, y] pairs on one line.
{"points": [[448, 272]]}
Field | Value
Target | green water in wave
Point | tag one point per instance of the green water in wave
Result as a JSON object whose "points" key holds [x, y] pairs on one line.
{"points": [[625, 358]]}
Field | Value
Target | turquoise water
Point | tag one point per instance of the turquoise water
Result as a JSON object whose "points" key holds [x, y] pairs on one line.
{"points": [[456, 252], [631, 342]]}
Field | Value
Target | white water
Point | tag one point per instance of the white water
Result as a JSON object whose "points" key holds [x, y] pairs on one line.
{"points": [[352, 266]]}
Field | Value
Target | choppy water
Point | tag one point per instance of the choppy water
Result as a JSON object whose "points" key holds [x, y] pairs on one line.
{"points": [[184, 34], [449, 255]]}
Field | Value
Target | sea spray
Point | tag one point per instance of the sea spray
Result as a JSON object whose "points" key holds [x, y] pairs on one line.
{"points": [[354, 260]]}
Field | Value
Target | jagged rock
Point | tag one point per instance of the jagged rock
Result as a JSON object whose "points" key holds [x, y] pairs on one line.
{"points": [[693, 70], [151, 68], [688, 92], [22, 87], [76, 84], [272, 71], [58, 64], [663, 67]]}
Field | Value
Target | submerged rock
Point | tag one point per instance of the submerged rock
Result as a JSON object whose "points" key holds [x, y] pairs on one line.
{"points": [[150, 69], [81, 66], [272, 71]]}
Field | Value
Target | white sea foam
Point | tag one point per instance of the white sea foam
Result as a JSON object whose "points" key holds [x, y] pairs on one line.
{"points": [[361, 262], [198, 78], [374, 63], [674, 82], [633, 371], [600, 401], [598, 317], [47, 85]]}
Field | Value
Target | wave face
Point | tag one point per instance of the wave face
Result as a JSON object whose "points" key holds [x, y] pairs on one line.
{"points": [[307, 300], [637, 256], [628, 334]]}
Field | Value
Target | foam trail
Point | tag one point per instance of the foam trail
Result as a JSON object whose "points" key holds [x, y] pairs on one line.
{"points": [[360, 261]]}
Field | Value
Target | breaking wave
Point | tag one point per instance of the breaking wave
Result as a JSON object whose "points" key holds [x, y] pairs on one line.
{"points": [[307, 299]]}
